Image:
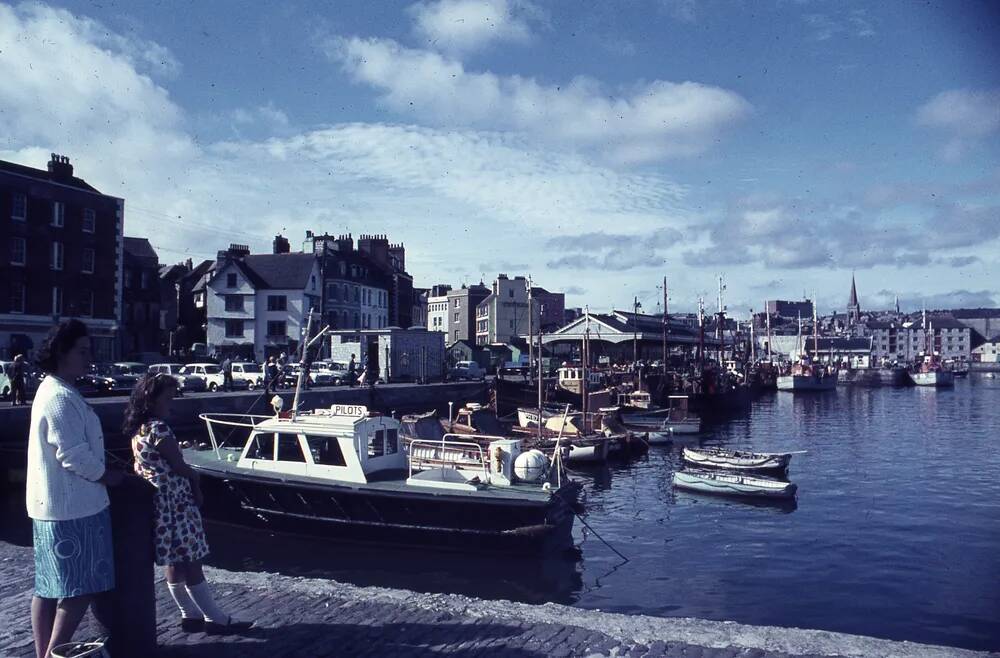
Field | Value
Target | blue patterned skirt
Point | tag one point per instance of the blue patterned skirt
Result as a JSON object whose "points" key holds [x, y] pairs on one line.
{"points": [[75, 557]]}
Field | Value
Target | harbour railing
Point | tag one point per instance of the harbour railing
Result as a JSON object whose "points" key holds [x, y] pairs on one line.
{"points": [[212, 419], [445, 453]]}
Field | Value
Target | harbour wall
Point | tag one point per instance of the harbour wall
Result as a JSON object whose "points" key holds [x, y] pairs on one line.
{"points": [[386, 398]]}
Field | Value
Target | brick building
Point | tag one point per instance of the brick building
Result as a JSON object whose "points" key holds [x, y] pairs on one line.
{"points": [[63, 256], [140, 330]]}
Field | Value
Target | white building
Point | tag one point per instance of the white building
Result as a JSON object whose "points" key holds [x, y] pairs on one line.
{"points": [[988, 352], [904, 342], [258, 304], [413, 354], [504, 313], [438, 312]]}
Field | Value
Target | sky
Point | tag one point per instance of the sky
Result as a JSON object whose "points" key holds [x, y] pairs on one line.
{"points": [[597, 146]]}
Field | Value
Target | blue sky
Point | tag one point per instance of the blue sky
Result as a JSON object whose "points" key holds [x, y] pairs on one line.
{"points": [[596, 146]]}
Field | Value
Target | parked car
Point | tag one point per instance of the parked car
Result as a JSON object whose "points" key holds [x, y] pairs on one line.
{"points": [[317, 376], [249, 372], [212, 372], [94, 385], [186, 383], [467, 370], [31, 380], [124, 374], [337, 371]]}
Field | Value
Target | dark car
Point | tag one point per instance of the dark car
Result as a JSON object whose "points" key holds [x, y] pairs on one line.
{"points": [[124, 375], [94, 385]]}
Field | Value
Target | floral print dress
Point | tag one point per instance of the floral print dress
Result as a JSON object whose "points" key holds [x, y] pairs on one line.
{"points": [[178, 532]]}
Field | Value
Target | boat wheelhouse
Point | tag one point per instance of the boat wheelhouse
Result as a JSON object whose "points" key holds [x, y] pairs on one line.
{"points": [[346, 473]]}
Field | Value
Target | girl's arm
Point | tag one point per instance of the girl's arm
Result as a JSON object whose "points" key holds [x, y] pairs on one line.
{"points": [[167, 445]]}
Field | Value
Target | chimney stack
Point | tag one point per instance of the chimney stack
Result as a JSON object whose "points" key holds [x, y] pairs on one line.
{"points": [[60, 170], [281, 245]]}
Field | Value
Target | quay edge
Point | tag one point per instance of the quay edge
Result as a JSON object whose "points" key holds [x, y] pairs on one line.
{"points": [[628, 629]]}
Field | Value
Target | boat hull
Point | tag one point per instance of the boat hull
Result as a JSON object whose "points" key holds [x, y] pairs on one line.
{"points": [[807, 383], [777, 463], [691, 482], [411, 518], [939, 379]]}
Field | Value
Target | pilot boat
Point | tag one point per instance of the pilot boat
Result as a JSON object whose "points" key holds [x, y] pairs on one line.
{"points": [[344, 472]]}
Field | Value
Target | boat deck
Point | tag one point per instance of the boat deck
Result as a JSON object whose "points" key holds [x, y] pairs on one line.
{"points": [[388, 482]]}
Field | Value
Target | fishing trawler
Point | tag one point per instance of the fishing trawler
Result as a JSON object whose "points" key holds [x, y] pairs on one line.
{"points": [[930, 373], [344, 472], [807, 377]]}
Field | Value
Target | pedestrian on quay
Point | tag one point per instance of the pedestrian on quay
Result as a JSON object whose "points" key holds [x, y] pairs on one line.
{"points": [[17, 377], [227, 374], [179, 536], [271, 375], [351, 370], [66, 492]]}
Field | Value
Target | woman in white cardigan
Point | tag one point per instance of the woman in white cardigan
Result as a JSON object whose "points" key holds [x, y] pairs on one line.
{"points": [[66, 492]]}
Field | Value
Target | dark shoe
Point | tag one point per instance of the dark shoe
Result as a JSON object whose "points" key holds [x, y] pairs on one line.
{"points": [[193, 625], [232, 627]]}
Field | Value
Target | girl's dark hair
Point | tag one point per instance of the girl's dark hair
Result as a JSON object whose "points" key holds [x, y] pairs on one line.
{"points": [[140, 404], [60, 340]]}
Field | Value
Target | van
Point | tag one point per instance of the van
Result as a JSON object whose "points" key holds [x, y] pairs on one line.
{"points": [[467, 370]]}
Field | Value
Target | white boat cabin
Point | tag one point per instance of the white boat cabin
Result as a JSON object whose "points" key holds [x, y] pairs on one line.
{"points": [[571, 378], [343, 443]]}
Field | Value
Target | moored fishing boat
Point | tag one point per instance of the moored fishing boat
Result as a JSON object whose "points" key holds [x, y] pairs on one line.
{"points": [[732, 484], [737, 460], [344, 472], [930, 373]]}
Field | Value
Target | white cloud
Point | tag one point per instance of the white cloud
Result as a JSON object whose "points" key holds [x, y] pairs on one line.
{"points": [[496, 194], [965, 116], [963, 112], [649, 122], [462, 26]]}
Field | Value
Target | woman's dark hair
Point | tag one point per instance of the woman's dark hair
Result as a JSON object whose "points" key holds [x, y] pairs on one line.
{"points": [[60, 340], [140, 404]]}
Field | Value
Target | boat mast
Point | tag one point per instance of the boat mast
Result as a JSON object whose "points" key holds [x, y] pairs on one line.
{"points": [[539, 379], [701, 332], [798, 336], [585, 354], [753, 341], [666, 323], [768, 315], [719, 332], [815, 330], [302, 364], [530, 333]]}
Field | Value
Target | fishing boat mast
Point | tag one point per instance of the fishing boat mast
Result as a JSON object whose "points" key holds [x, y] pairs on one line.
{"points": [[585, 358], [541, 310], [530, 333], [666, 323], [815, 330], [767, 314], [701, 332]]}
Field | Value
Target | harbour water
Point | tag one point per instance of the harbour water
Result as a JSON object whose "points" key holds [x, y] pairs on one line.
{"points": [[895, 533]]}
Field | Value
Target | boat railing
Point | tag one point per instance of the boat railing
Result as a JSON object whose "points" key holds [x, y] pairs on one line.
{"points": [[445, 453], [242, 421]]}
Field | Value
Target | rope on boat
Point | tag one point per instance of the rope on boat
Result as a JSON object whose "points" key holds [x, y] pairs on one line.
{"points": [[598, 535]]}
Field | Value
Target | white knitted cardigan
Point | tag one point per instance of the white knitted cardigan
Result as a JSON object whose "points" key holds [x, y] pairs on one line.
{"points": [[65, 455]]}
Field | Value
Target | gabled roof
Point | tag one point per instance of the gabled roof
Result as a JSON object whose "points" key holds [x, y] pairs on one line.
{"points": [[278, 271], [43, 174], [140, 248]]}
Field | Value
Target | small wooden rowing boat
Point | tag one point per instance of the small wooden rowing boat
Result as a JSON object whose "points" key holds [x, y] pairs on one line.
{"points": [[733, 484], [737, 460]]}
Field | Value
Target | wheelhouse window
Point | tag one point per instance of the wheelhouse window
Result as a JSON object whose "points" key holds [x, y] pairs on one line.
{"points": [[376, 444], [289, 449], [326, 451], [262, 447]]}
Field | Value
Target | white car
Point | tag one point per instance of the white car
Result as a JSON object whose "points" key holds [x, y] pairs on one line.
{"points": [[188, 382], [248, 373], [212, 372]]}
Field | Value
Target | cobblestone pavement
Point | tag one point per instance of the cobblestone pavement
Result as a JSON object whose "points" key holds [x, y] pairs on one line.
{"points": [[305, 617]]}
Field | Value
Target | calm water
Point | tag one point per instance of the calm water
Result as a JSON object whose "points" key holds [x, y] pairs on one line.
{"points": [[896, 532]]}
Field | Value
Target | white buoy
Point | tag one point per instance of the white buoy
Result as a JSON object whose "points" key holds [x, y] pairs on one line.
{"points": [[531, 466]]}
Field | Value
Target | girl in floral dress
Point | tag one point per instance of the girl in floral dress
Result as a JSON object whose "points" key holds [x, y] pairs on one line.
{"points": [[179, 536]]}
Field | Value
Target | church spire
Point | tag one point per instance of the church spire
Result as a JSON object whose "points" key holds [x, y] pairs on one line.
{"points": [[853, 307]]}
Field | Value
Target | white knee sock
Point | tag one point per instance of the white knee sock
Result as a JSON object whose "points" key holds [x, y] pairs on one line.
{"points": [[203, 597], [189, 609]]}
